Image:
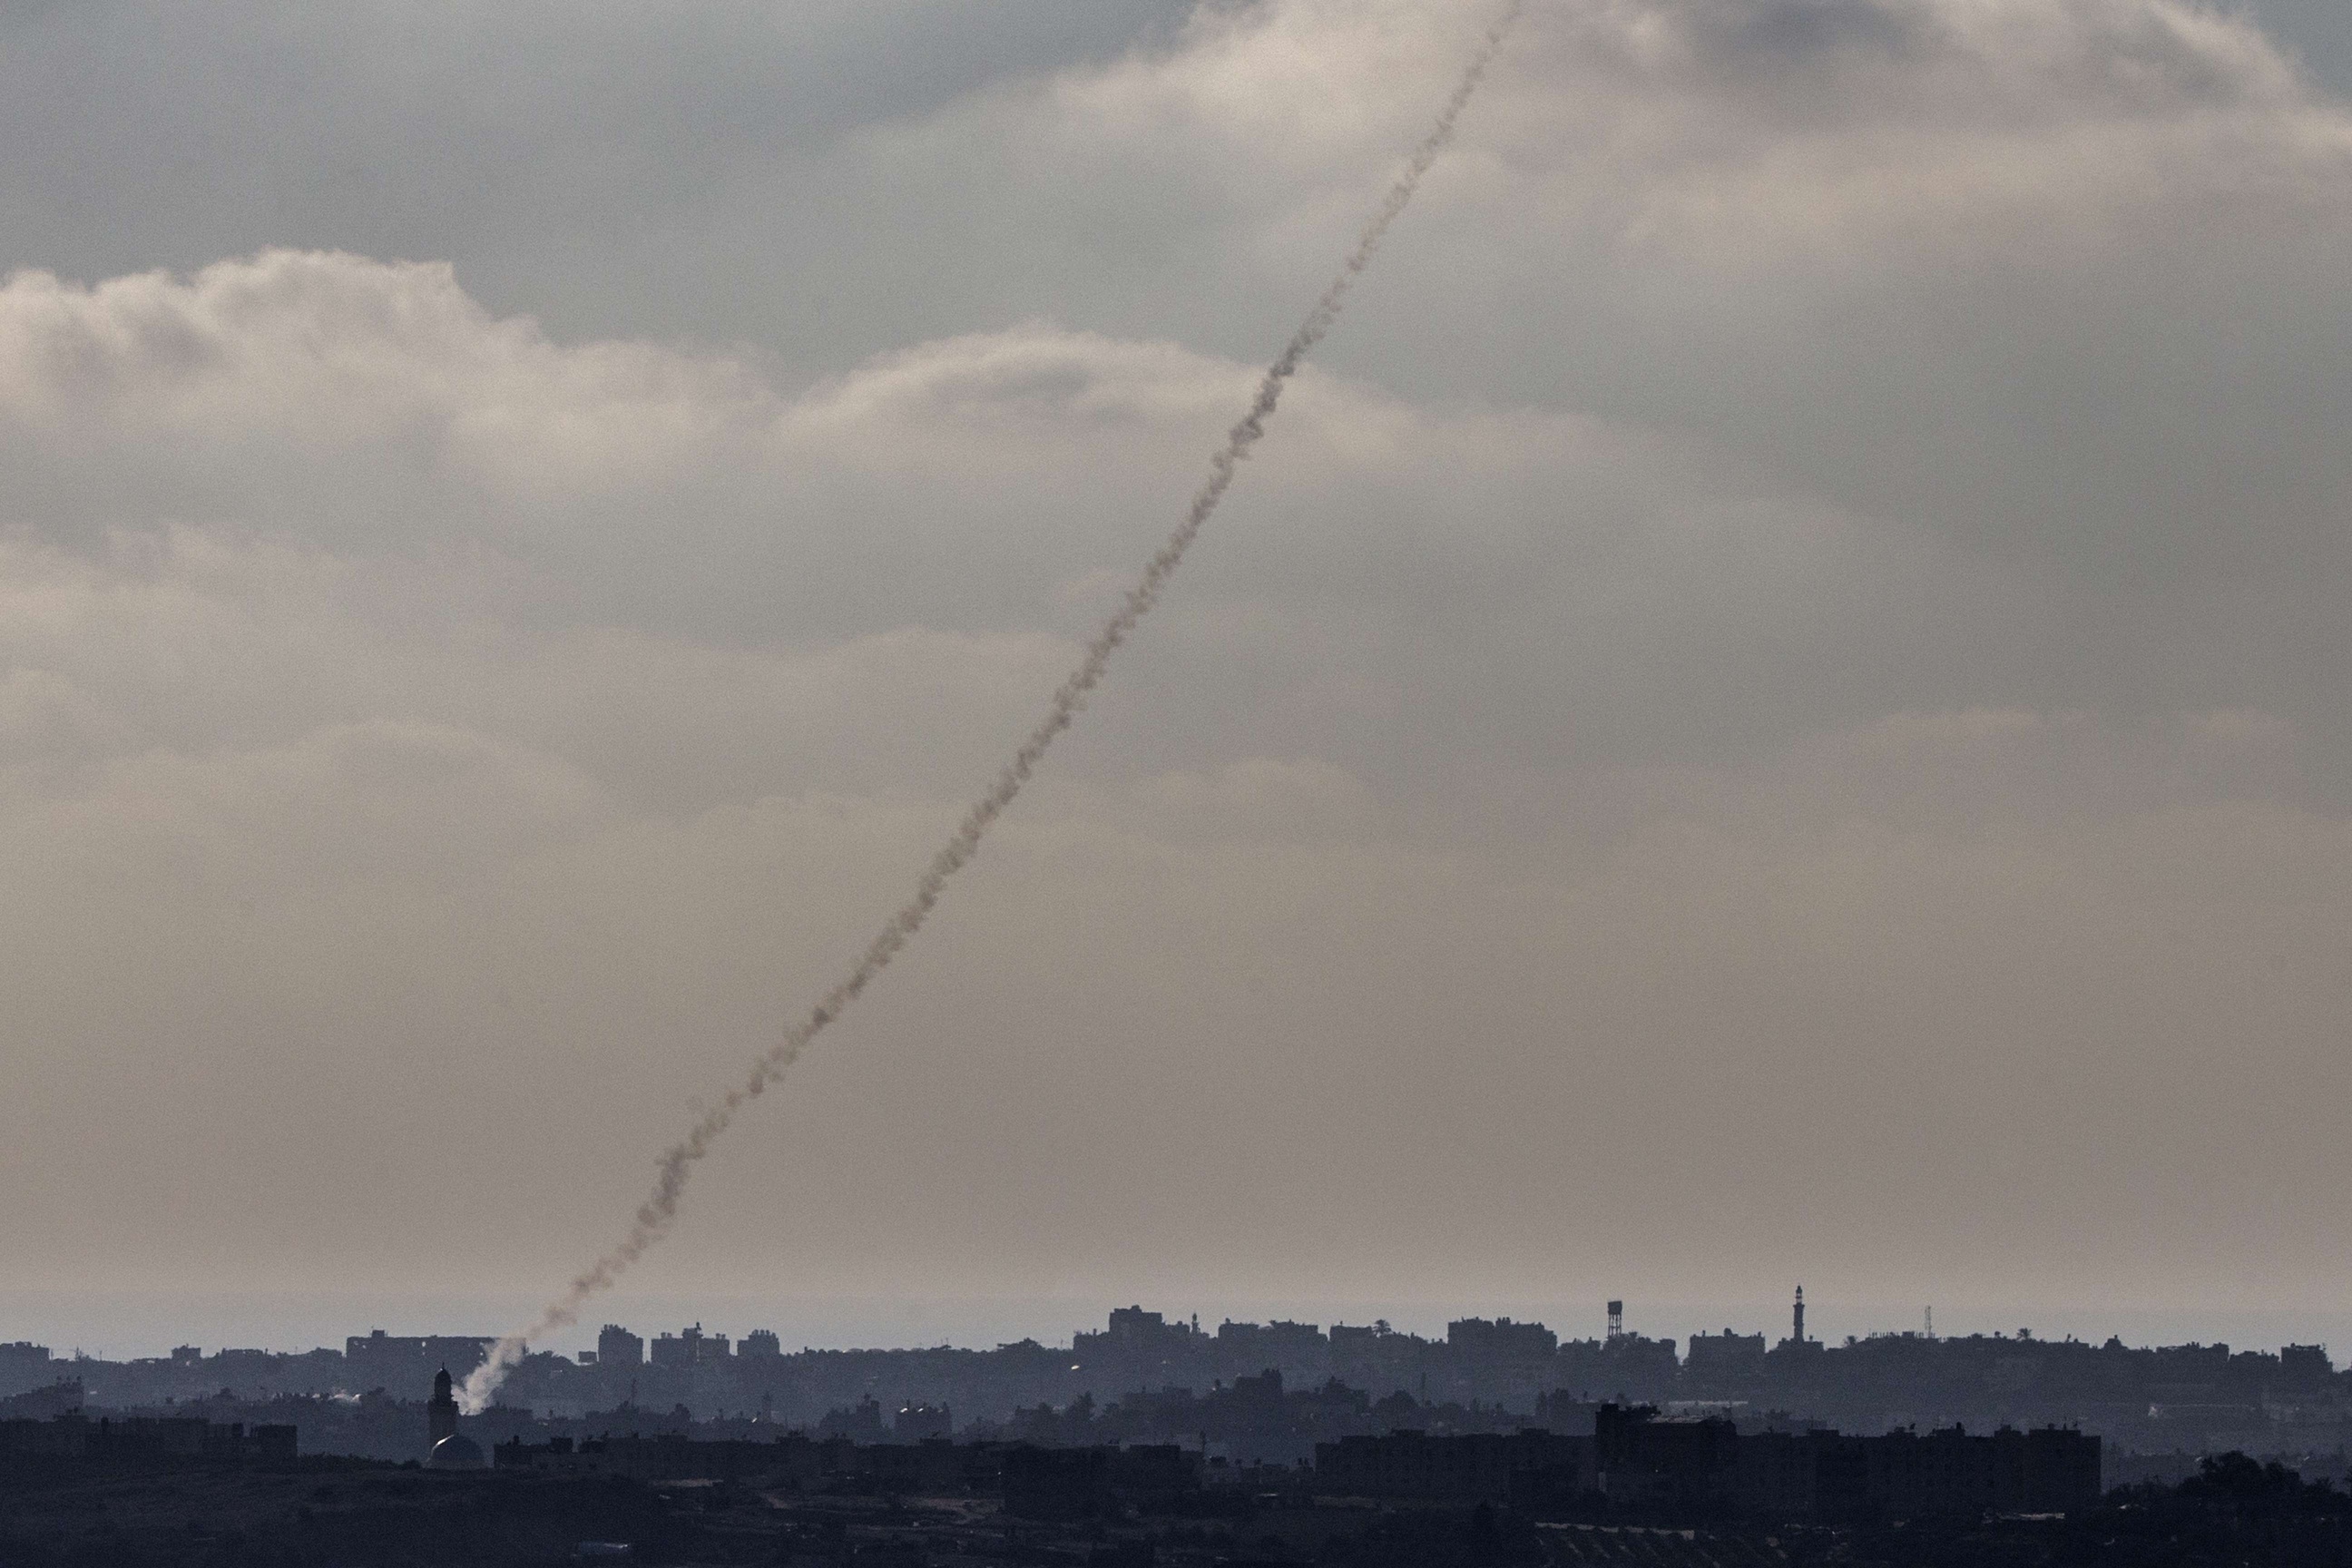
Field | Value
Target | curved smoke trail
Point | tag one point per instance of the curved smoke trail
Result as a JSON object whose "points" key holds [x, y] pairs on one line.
{"points": [[675, 1165]]}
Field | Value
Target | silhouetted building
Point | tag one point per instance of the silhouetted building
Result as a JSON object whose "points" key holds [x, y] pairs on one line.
{"points": [[440, 1412], [1154, 1471], [861, 1422], [1725, 1355], [689, 1347], [23, 1365], [1565, 1412], [1459, 1470], [1945, 1474], [2305, 1363], [915, 1423], [1056, 1483], [52, 1399], [73, 1434], [446, 1448], [1797, 1344], [758, 1344], [1278, 1343], [933, 1466], [615, 1346], [1676, 1461], [1377, 1357], [1694, 1464], [1501, 1340], [400, 1362], [1132, 1327], [1627, 1365]]}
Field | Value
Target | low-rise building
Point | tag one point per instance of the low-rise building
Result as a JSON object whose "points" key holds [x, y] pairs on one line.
{"points": [[1458, 1470]]}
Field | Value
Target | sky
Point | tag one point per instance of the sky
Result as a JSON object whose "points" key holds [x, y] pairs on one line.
{"points": [[1770, 708]]}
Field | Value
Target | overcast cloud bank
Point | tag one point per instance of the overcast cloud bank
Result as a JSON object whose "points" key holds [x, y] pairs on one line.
{"points": [[1802, 630]]}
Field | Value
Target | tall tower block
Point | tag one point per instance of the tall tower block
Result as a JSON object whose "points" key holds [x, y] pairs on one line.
{"points": [[441, 1415], [1798, 1334]]}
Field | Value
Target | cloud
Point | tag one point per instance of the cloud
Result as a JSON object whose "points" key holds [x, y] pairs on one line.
{"points": [[1793, 651], [2052, 283], [319, 381]]}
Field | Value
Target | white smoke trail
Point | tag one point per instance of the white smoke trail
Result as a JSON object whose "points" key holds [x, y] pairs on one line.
{"points": [[675, 1165]]}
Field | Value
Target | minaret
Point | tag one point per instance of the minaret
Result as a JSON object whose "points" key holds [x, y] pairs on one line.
{"points": [[441, 1415], [1800, 1334]]}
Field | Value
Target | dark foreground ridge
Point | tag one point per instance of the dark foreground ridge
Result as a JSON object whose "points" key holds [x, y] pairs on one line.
{"points": [[1643, 1490]]}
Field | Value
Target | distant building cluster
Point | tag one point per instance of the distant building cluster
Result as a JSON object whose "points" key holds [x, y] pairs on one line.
{"points": [[1706, 1466], [1634, 1458], [390, 1360], [1245, 1395], [1441, 1440], [73, 1434]]}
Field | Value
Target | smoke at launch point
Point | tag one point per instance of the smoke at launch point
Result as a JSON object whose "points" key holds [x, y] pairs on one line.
{"points": [[675, 1165]]}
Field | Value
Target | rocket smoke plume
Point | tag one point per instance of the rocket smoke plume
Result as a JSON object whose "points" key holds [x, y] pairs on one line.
{"points": [[675, 1165]]}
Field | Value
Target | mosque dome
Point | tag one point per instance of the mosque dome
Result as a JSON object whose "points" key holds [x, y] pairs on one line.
{"points": [[455, 1452]]}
